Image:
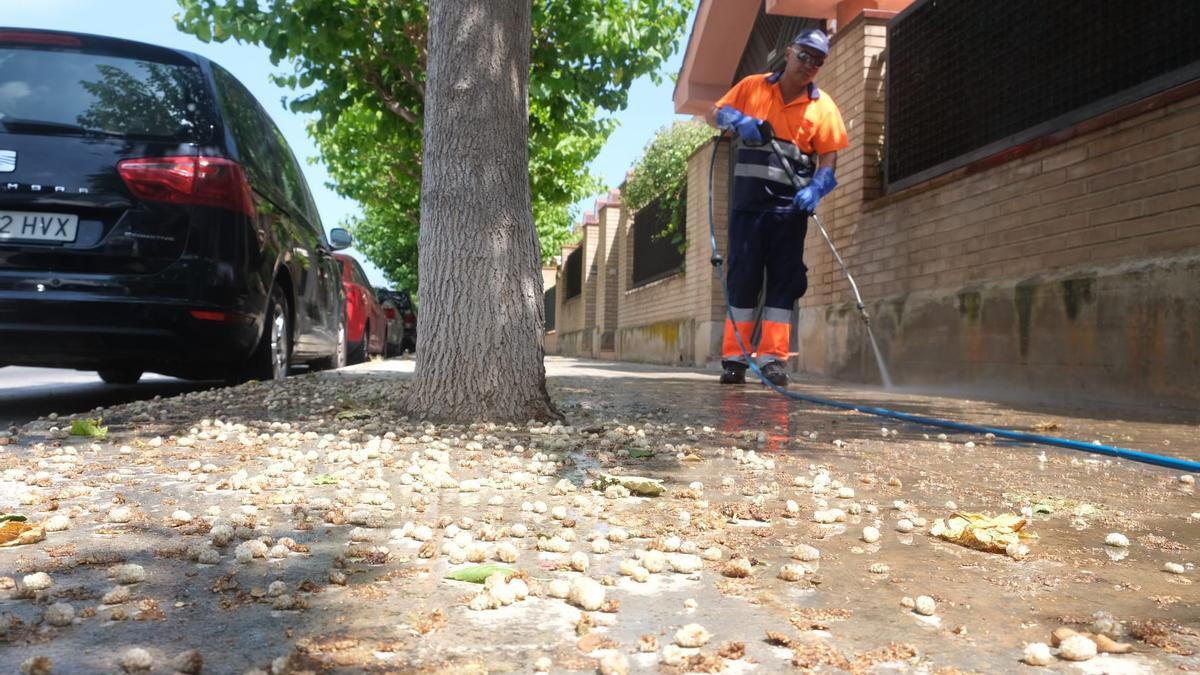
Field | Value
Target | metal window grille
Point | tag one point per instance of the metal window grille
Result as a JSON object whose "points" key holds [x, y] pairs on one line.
{"points": [[657, 253], [548, 303], [969, 79], [573, 277]]}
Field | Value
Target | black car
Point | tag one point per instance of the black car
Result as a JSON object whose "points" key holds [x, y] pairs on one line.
{"points": [[152, 218], [402, 321]]}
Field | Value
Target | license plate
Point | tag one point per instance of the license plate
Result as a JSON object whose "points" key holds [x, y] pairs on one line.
{"points": [[38, 227]]}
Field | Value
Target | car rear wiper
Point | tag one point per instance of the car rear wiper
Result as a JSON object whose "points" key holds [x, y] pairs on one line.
{"points": [[19, 124]]}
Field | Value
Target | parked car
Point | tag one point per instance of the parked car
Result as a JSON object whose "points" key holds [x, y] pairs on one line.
{"points": [[407, 313], [153, 218], [393, 337], [365, 322]]}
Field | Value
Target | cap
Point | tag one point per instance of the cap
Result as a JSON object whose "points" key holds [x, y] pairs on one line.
{"points": [[813, 38]]}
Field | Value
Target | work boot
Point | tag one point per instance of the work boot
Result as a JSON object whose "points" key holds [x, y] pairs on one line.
{"points": [[775, 373], [735, 373]]}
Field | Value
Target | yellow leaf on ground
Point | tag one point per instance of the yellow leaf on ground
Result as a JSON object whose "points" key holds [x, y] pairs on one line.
{"points": [[13, 533], [983, 532]]}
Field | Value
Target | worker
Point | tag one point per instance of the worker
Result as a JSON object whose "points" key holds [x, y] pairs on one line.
{"points": [[769, 217]]}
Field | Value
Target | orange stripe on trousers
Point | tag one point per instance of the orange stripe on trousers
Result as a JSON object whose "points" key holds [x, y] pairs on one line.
{"points": [[730, 351], [776, 338]]}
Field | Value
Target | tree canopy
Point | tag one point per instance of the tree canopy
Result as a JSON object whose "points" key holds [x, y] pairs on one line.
{"points": [[359, 65]]}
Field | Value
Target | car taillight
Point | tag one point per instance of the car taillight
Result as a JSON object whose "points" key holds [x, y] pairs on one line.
{"points": [[391, 313], [198, 181], [409, 317]]}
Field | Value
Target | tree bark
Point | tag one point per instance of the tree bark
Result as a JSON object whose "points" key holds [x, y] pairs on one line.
{"points": [[480, 331]]}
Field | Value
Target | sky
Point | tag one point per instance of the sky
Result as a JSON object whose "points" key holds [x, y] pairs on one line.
{"points": [[650, 106]]}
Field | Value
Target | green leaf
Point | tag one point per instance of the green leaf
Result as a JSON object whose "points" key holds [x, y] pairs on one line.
{"points": [[324, 479], [640, 453], [203, 31], [477, 574], [16, 518], [89, 427]]}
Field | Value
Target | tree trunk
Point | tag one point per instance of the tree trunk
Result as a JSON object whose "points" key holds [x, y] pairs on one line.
{"points": [[480, 332]]}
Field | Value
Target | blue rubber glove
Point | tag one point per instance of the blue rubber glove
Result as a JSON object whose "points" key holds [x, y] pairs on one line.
{"points": [[735, 120], [822, 183]]}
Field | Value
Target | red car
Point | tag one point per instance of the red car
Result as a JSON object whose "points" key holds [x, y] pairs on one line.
{"points": [[366, 324]]}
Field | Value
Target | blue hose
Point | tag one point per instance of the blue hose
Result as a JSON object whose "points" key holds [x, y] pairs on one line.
{"points": [[1111, 451], [1176, 463]]}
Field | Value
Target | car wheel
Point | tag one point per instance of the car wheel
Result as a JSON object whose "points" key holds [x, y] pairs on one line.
{"points": [[274, 352], [338, 358], [120, 375], [342, 355], [398, 348]]}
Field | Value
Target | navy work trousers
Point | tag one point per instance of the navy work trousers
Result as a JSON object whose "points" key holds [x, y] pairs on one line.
{"points": [[772, 241]]}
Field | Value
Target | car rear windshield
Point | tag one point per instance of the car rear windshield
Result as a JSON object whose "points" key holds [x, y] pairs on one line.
{"points": [[47, 91]]}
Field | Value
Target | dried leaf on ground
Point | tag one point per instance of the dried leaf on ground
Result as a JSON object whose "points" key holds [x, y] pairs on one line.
{"points": [[983, 532], [432, 621], [17, 533], [638, 485]]}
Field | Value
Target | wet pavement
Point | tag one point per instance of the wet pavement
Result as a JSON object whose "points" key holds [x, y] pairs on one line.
{"points": [[361, 514]]}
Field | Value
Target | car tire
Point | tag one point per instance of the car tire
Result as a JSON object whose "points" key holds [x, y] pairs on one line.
{"points": [[398, 348], [120, 375], [273, 355], [339, 357]]}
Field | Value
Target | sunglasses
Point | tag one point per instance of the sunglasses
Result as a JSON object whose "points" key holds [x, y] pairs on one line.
{"points": [[804, 56]]}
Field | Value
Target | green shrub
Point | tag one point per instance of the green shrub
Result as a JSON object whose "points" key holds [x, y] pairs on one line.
{"points": [[662, 171]]}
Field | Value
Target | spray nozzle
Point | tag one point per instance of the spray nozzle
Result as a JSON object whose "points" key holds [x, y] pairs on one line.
{"points": [[863, 311]]}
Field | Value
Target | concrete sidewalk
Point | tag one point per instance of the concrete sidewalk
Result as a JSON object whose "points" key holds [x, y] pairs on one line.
{"points": [[306, 526]]}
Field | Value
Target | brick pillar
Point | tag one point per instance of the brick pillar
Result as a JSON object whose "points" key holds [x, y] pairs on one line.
{"points": [[608, 214], [853, 76], [591, 244]]}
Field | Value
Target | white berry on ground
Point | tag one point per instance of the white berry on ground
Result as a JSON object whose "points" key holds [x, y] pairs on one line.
{"points": [[135, 659], [925, 606], [38, 581], [1117, 539], [1038, 654], [60, 614], [806, 553], [692, 635], [1077, 648], [129, 574], [791, 572], [586, 593]]}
